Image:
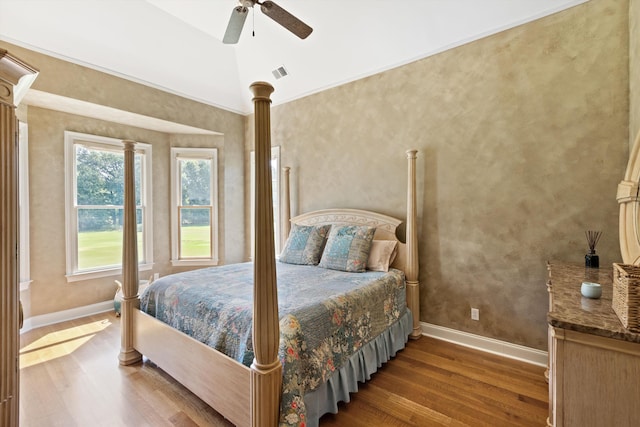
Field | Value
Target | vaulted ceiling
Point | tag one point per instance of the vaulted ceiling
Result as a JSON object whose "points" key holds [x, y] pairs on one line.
{"points": [[176, 45]]}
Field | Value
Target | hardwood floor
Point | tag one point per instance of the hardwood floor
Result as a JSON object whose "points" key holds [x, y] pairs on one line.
{"points": [[70, 377]]}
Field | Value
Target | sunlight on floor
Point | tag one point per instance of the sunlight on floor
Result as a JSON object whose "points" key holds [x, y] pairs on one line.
{"points": [[60, 343]]}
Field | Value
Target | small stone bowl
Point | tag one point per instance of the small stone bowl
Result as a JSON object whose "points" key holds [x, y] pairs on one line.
{"points": [[591, 290]]}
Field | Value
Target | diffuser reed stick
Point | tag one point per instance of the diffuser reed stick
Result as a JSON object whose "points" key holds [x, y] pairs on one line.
{"points": [[591, 259], [592, 239]]}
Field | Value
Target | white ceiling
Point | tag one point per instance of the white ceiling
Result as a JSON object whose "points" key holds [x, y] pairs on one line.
{"points": [[176, 45]]}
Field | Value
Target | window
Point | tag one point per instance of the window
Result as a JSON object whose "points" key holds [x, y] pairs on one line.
{"points": [[194, 197], [95, 205], [275, 189], [23, 204]]}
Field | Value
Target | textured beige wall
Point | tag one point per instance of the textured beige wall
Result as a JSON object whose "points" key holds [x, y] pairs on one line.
{"points": [[49, 290], [634, 69], [522, 140]]}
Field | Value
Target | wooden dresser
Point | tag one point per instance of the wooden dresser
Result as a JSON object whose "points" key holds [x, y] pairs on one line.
{"points": [[594, 362]]}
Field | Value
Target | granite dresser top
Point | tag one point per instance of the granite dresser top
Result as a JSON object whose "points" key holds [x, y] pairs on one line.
{"points": [[570, 310]]}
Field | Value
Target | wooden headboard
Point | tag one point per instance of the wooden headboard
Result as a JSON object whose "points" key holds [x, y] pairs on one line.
{"points": [[385, 226]]}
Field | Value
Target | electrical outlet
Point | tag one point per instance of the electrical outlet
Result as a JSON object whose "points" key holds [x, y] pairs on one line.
{"points": [[475, 314], [156, 276]]}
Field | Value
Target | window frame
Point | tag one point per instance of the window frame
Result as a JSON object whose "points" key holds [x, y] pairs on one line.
{"points": [[210, 154], [73, 274], [275, 189]]}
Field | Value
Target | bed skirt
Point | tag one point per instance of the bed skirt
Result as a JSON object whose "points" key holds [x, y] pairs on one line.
{"points": [[358, 369]]}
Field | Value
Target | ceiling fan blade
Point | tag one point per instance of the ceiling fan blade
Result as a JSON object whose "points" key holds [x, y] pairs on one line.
{"points": [[236, 22], [286, 19]]}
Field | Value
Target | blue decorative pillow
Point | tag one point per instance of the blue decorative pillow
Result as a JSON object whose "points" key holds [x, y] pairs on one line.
{"points": [[348, 248], [304, 245]]}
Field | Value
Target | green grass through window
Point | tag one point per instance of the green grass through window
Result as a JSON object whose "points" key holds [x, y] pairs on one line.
{"points": [[196, 241], [104, 248]]}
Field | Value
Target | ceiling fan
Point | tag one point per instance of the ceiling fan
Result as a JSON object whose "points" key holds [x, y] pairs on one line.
{"points": [[269, 8]]}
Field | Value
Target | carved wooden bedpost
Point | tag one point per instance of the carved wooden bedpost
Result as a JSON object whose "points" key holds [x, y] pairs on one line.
{"points": [[628, 198], [128, 355], [266, 369], [286, 207], [413, 286], [15, 79]]}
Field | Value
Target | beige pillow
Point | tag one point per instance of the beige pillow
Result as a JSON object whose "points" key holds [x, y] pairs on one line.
{"points": [[382, 254]]}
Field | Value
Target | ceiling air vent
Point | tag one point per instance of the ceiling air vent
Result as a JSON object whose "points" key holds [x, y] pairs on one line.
{"points": [[280, 72]]}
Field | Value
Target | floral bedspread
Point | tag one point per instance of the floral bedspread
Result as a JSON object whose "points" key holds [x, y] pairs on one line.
{"points": [[325, 317]]}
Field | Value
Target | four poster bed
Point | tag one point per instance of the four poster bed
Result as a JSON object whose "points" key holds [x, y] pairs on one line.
{"points": [[329, 327]]}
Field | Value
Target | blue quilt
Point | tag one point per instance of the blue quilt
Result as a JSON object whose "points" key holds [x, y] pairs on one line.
{"points": [[325, 317]]}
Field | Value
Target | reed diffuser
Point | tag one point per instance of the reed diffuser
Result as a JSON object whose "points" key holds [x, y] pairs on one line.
{"points": [[591, 259]]}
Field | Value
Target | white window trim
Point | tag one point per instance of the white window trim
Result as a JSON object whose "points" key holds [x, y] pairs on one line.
{"points": [[23, 179], [73, 275], [201, 154], [275, 156]]}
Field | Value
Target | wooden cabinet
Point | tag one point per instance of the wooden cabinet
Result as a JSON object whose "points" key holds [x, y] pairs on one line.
{"points": [[594, 362]]}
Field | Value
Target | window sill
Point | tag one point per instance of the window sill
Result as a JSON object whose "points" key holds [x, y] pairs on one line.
{"points": [[194, 262], [96, 274]]}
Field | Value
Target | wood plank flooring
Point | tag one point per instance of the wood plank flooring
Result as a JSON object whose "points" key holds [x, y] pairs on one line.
{"points": [[70, 377]]}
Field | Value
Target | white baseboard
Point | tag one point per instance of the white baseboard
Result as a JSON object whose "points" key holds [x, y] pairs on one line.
{"points": [[62, 316], [489, 345]]}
